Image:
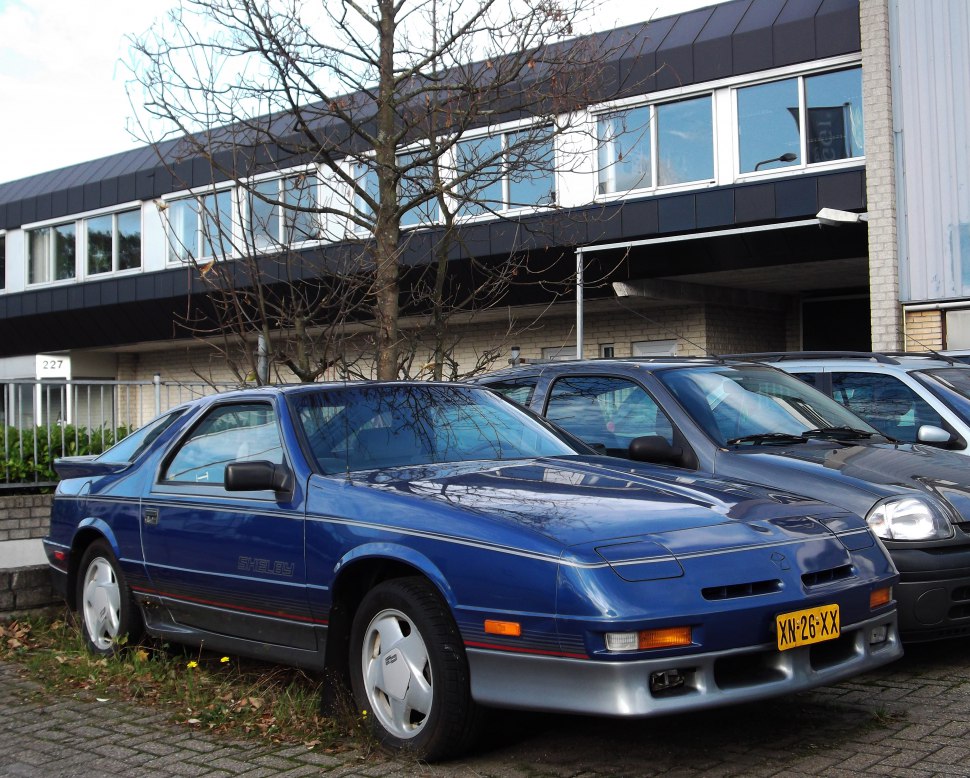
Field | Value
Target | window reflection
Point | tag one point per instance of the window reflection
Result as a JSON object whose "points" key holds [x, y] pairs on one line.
{"points": [[773, 117], [623, 151], [768, 125], [685, 141]]}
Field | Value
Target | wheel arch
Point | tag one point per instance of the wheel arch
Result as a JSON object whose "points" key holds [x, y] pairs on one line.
{"points": [[89, 531], [356, 574]]}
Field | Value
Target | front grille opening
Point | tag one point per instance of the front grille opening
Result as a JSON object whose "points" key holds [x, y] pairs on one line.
{"points": [[961, 594], [832, 653], [822, 577], [737, 672], [961, 611], [733, 591], [676, 682]]}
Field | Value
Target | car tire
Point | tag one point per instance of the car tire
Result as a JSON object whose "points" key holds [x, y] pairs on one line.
{"points": [[105, 604], [422, 705]]}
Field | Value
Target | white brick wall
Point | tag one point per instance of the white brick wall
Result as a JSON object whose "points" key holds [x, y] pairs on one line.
{"points": [[885, 307]]}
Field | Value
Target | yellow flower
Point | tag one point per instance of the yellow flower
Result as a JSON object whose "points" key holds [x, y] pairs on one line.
{"points": [[363, 713], [224, 659], [192, 665]]}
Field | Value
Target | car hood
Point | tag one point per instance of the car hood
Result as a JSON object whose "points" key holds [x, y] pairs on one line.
{"points": [[826, 469], [584, 501]]}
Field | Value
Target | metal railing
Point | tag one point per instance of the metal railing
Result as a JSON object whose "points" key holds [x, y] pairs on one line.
{"points": [[45, 419]]}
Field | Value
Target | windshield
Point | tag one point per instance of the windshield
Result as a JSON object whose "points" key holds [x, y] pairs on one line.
{"points": [[743, 404], [950, 384], [366, 427]]}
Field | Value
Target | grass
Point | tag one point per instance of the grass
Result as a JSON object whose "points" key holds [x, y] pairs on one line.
{"points": [[206, 691]]}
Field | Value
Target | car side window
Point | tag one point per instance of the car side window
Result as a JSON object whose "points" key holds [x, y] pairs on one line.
{"points": [[520, 390], [228, 433], [812, 379], [886, 403], [606, 410]]}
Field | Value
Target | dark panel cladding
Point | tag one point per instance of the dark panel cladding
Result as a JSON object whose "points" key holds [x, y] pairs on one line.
{"points": [[713, 49], [58, 204], [677, 213], [675, 57], [844, 191], [752, 48], [75, 199], [638, 62], [145, 184], [640, 218], [797, 197], [794, 32], [92, 196], [754, 203], [837, 28], [715, 209], [127, 187]]}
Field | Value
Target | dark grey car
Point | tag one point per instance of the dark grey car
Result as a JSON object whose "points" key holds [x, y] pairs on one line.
{"points": [[751, 422]]}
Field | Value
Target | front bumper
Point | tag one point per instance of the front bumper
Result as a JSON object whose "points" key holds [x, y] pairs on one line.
{"points": [[933, 593], [511, 680]]}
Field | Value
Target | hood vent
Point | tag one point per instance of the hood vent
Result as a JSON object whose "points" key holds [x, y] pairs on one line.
{"points": [[734, 591], [823, 577]]}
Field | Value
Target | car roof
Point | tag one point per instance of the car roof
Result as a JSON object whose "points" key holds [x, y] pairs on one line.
{"points": [[631, 364], [889, 361]]}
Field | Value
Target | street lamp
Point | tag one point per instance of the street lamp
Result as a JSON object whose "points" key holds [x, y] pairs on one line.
{"points": [[833, 217], [786, 157]]}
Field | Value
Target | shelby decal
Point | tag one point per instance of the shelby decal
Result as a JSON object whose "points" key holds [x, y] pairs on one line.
{"points": [[252, 565]]}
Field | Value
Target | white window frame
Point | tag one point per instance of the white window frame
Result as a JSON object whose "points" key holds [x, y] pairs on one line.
{"points": [[114, 213], [170, 201], [802, 165], [245, 196], [50, 226], [725, 128]]}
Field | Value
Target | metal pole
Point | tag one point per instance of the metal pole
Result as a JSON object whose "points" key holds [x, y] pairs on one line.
{"points": [[579, 303], [262, 360], [157, 381]]}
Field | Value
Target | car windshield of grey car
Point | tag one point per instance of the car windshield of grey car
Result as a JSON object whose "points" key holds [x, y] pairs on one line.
{"points": [[738, 405]]}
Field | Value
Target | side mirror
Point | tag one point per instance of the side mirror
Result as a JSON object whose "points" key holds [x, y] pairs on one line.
{"points": [[258, 476], [928, 433], [656, 449]]}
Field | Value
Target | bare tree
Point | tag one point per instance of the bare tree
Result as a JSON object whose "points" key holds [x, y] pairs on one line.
{"points": [[394, 105]]}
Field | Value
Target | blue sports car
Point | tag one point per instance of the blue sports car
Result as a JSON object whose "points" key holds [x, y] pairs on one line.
{"points": [[441, 549]]}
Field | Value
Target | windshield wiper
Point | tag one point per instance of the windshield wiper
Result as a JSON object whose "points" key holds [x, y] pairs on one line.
{"points": [[767, 437], [838, 433]]}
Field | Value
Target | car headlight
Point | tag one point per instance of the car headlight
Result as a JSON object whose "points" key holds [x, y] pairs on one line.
{"points": [[908, 518]]}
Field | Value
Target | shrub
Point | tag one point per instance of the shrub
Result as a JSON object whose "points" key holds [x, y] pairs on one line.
{"points": [[28, 455]]}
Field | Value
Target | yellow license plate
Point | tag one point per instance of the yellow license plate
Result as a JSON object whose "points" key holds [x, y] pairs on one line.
{"points": [[812, 625]]}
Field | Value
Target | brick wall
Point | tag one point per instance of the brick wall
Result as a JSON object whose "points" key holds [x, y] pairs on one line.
{"points": [[24, 516], [924, 330], [886, 312], [25, 589]]}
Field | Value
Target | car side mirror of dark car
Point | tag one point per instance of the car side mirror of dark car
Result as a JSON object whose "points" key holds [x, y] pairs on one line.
{"points": [[258, 476], [656, 449], [933, 435]]}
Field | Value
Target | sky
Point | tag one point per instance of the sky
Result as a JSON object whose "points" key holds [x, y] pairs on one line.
{"points": [[62, 75]]}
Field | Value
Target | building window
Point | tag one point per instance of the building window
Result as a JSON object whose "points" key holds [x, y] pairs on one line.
{"points": [[284, 211], [607, 351], [3, 261], [685, 141], [558, 353], [52, 254], [505, 172], [417, 179], [815, 117], [654, 348], [200, 227], [651, 146], [113, 242]]}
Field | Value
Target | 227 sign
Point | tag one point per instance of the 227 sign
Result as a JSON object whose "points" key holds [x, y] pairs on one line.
{"points": [[812, 625]]}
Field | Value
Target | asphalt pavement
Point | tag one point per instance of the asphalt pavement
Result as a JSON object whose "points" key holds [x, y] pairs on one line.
{"points": [[911, 718]]}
